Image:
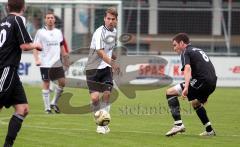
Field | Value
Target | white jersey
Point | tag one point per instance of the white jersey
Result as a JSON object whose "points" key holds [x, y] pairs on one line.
{"points": [[51, 41], [105, 39]]}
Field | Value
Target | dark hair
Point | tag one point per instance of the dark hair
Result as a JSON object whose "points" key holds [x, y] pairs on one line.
{"points": [[49, 12], [15, 5], [181, 37], [111, 10]]}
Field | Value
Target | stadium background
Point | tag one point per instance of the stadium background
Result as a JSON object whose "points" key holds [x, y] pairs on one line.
{"points": [[145, 29]]}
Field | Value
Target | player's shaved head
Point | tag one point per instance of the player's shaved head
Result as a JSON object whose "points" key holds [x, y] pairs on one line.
{"points": [[15, 5]]}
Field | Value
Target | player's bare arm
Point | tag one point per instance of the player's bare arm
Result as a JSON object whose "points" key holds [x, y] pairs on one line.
{"points": [[114, 57], [36, 57], [108, 60], [31, 46], [187, 77], [65, 57]]}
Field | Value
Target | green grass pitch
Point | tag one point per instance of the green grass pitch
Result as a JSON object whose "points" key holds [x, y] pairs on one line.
{"points": [[142, 121]]}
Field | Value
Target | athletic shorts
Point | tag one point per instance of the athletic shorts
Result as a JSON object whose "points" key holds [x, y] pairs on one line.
{"points": [[11, 89], [198, 89], [53, 73], [99, 79]]}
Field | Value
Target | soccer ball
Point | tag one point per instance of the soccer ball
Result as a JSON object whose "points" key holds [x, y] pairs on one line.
{"points": [[102, 117]]}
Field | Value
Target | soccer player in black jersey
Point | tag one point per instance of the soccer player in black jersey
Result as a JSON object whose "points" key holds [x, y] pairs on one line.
{"points": [[13, 39], [200, 82]]}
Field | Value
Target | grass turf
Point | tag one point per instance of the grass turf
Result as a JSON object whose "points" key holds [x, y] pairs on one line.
{"points": [[141, 121]]}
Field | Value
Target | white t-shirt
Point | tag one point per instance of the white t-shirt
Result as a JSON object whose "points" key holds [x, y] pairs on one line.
{"points": [[51, 41], [102, 39]]}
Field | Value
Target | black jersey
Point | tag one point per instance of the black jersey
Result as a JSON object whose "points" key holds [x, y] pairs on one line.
{"points": [[13, 33], [201, 66]]}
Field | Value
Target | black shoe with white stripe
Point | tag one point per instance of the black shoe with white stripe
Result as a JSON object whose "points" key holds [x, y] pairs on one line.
{"points": [[55, 108], [48, 112]]}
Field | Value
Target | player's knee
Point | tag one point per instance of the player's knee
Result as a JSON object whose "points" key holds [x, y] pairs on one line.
{"points": [[171, 91], [196, 104], [62, 85], [45, 85], [106, 96], [26, 112], [168, 91], [61, 82], [95, 97], [106, 93], [23, 111]]}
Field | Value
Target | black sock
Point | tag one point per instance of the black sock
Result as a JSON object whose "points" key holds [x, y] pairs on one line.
{"points": [[174, 106], [202, 114], [209, 128], [14, 126]]}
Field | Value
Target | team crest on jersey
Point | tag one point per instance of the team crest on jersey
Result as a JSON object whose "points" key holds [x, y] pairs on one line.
{"points": [[110, 39]]}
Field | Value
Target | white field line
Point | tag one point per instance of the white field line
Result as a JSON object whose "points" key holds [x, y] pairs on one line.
{"points": [[2, 122]]}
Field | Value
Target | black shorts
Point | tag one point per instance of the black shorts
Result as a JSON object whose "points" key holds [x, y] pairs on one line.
{"points": [[99, 79], [11, 89], [200, 90], [52, 73]]}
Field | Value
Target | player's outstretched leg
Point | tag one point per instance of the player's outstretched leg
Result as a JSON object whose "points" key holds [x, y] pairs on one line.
{"points": [[105, 105], [174, 106]]}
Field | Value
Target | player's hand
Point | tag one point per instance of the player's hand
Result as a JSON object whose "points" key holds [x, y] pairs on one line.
{"points": [[184, 93], [38, 62], [38, 46], [115, 67], [66, 62]]}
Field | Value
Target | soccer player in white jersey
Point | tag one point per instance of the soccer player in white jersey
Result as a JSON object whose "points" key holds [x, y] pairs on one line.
{"points": [[101, 64], [49, 60]]}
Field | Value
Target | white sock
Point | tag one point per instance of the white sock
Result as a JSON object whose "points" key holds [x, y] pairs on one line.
{"points": [[58, 92], [105, 106], [52, 86], [46, 99]]}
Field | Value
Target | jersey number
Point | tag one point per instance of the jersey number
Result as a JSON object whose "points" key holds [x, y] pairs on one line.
{"points": [[205, 57], [3, 35]]}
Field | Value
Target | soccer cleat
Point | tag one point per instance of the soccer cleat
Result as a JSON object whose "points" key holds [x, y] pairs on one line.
{"points": [[55, 108], [103, 129], [205, 133], [48, 111], [176, 129], [107, 129], [100, 130]]}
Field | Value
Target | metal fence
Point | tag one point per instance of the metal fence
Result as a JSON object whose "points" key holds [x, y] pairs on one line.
{"points": [[212, 24]]}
